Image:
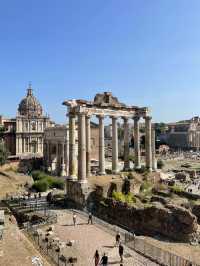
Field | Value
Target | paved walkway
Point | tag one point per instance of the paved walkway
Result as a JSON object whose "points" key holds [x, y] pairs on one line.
{"points": [[89, 238]]}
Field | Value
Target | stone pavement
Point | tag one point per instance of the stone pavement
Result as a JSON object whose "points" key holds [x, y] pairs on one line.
{"points": [[89, 238]]}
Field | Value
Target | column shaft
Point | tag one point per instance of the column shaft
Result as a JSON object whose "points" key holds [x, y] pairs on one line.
{"points": [[81, 149], [137, 143], [126, 145], [153, 144], [63, 172], [72, 147], [148, 149], [101, 146], [114, 145], [88, 146]]}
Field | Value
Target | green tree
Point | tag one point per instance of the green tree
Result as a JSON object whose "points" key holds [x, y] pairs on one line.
{"points": [[3, 154], [160, 164], [160, 128]]}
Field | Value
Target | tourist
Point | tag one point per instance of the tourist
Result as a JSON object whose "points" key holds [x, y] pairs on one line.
{"points": [[90, 218], [40, 195], [117, 239], [121, 251], [74, 218], [104, 260], [35, 196], [96, 258]]}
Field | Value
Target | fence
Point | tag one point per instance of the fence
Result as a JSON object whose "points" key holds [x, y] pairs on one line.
{"points": [[53, 248], [156, 254], [139, 245]]}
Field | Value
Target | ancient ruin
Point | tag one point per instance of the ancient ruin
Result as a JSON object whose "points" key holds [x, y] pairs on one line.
{"points": [[106, 105]]}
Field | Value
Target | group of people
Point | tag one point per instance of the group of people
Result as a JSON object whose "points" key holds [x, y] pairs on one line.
{"points": [[104, 260], [90, 219]]}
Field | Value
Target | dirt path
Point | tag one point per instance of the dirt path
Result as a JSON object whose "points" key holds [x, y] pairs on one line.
{"points": [[16, 249]]}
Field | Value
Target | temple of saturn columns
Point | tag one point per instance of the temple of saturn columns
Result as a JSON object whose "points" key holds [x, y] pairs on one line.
{"points": [[106, 105]]}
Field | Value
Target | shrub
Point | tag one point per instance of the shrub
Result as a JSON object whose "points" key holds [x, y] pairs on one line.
{"points": [[38, 175], [146, 186], [40, 186], [118, 196], [160, 164], [131, 158], [176, 189], [58, 183], [130, 198]]}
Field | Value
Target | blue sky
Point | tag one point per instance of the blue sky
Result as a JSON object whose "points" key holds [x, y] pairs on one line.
{"points": [[147, 52]]}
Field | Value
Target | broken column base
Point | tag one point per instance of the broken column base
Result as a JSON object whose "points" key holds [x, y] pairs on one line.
{"points": [[77, 192]]}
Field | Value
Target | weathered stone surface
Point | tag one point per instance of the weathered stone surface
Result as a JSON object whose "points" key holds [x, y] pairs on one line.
{"points": [[160, 199], [182, 176], [170, 221], [196, 211]]}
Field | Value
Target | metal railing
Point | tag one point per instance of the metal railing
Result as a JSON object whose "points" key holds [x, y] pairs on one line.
{"points": [[140, 245], [53, 248]]}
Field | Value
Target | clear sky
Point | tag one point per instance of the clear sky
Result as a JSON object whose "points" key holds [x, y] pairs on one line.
{"points": [[147, 52]]}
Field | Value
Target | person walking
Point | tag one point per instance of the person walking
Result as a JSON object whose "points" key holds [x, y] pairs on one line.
{"points": [[104, 260], [90, 218], [74, 218], [96, 258], [117, 239], [121, 251]]}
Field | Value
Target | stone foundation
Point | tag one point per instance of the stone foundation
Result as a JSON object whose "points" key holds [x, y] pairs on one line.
{"points": [[77, 192]]}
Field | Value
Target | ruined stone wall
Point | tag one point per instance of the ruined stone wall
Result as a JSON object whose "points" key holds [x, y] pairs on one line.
{"points": [[170, 221]]}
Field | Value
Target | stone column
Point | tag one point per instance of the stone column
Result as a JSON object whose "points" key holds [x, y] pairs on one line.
{"points": [[88, 146], [20, 145], [114, 145], [81, 149], [50, 157], [126, 145], [63, 172], [57, 161], [137, 143], [67, 154], [72, 147], [101, 146], [148, 149], [17, 145], [47, 154], [153, 144]]}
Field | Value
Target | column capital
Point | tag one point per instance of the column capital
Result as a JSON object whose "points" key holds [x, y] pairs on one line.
{"points": [[81, 113], [88, 116], [147, 118], [72, 114], [136, 118], [125, 118], [113, 117], [100, 116]]}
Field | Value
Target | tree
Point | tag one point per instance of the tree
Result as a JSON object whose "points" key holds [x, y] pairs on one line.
{"points": [[160, 128], [3, 154], [160, 164]]}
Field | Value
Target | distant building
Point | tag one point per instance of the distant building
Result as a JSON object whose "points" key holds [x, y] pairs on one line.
{"points": [[183, 135], [56, 148], [24, 134]]}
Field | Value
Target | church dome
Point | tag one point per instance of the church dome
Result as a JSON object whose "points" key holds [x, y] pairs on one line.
{"points": [[30, 106]]}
